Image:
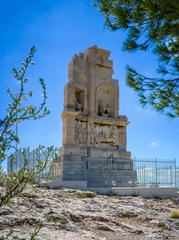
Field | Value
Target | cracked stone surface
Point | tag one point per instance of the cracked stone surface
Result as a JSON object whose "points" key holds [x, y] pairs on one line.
{"points": [[76, 215]]}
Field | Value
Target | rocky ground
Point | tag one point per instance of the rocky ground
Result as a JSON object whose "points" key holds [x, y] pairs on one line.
{"points": [[76, 215]]}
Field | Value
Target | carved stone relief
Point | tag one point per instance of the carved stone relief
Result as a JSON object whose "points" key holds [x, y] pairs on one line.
{"points": [[80, 132], [106, 134], [96, 134], [91, 101]]}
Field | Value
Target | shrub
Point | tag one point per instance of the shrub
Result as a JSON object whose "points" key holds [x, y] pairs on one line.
{"points": [[157, 198], [64, 194], [86, 194], [111, 194], [134, 194], [174, 213]]}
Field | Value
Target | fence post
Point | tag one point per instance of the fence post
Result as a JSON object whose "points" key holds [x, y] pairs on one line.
{"points": [[175, 172], [156, 173]]}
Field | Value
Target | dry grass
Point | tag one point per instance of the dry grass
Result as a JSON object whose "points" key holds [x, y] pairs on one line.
{"points": [[174, 213]]}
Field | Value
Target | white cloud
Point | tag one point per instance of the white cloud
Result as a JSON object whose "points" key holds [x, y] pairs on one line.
{"points": [[155, 144]]}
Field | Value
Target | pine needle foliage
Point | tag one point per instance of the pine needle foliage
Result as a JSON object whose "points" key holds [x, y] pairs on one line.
{"points": [[149, 25]]}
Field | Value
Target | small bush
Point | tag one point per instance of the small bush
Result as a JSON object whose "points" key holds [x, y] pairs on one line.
{"points": [[157, 198], [174, 213], [134, 194], [64, 194], [54, 218], [86, 194], [111, 194]]}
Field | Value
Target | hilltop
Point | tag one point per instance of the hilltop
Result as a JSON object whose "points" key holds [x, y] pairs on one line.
{"points": [[77, 215]]}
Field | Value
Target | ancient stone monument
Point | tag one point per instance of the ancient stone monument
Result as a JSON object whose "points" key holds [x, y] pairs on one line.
{"points": [[94, 132]]}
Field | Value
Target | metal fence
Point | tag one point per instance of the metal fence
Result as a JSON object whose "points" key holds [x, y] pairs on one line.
{"points": [[150, 172], [114, 171], [17, 161], [177, 177], [156, 172]]}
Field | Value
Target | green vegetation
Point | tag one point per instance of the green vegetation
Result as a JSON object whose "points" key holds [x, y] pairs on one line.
{"points": [[76, 194], [157, 198], [86, 194], [7, 235], [64, 194], [11, 235], [111, 194], [16, 180], [55, 218], [18, 110], [174, 213], [149, 25], [134, 194]]}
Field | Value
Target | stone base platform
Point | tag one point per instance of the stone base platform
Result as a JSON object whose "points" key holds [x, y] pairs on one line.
{"points": [[99, 172], [146, 192]]}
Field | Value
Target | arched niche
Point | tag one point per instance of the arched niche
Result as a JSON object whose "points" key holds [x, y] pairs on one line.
{"points": [[105, 100]]}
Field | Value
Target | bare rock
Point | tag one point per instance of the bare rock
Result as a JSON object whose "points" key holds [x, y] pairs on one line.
{"points": [[104, 227], [6, 210], [70, 214]]}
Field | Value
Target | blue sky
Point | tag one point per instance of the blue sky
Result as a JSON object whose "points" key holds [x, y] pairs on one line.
{"points": [[59, 29]]}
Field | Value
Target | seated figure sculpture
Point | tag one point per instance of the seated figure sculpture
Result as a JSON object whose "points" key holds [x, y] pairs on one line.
{"points": [[78, 106], [106, 111]]}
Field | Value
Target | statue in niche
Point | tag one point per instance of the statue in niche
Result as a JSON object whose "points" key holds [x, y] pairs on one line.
{"points": [[70, 106], [104, 110], [79, 101], [78, 106], [105, 100]]}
